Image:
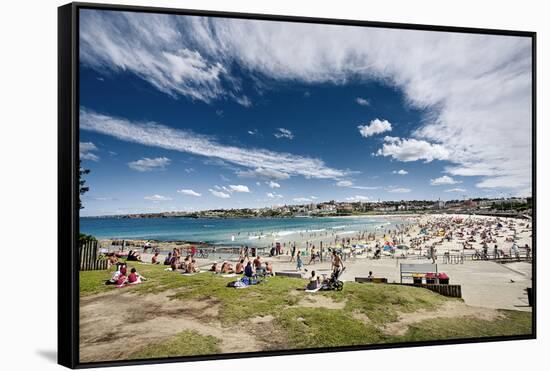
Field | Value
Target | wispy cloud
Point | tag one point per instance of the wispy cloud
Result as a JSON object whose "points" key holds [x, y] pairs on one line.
{"points": [[362, 101], [157, 198], [376, 126], [400, 172], [350, 184], [273, 195], [273, 184], [220, 194], [283, 133], [189, 192], [458, 190], [486, 93], [272, 165], [86, 151], [303, 199], [444, 180], [398, 190], [357, 198], [149, 164]]}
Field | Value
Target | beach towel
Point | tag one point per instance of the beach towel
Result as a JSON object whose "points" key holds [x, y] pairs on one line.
{"points": [[229, 275], [314, 290]]}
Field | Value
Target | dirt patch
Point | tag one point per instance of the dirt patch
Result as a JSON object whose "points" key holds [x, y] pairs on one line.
{"points": [[263, 319], [116, 324], [360, 316], [452, 309], [320, 301]]}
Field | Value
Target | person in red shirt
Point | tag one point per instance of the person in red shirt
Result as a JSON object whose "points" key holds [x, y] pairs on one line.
{"points": [[134, 277]]}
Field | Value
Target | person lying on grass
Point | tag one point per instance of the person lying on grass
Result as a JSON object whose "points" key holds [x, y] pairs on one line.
{"points": [[133, 256]]}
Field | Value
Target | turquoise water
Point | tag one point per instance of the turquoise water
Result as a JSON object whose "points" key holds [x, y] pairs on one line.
{"points": [[255, 231]]}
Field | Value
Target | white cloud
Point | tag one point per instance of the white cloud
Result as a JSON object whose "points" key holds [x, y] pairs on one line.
{"points": [[302, 199], [157, 198], [274, 165], [149, 164], [189, 192], [350, 184], [444, 180], [362, 101], [471, 87], [357, 198], [400, 172], [412, 150], [283, 133], [344, 183], [458, 190], [86, 149], [253, 132], [219, 194], [376, 126], [239, 188], [273, 184], [398, 190], [273, 195]]}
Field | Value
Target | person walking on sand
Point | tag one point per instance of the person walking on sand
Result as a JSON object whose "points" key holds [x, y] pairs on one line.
{"points": [[292, 252], [299, 262], [432, 253]]}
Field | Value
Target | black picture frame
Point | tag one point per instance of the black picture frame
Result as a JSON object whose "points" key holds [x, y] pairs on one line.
{"points": [[68, 157]]}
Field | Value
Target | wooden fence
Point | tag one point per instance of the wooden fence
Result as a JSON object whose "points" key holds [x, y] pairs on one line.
{"points": [[88, 257]]}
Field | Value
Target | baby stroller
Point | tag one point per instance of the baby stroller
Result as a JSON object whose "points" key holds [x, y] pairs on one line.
{"points": [[334, 283]]}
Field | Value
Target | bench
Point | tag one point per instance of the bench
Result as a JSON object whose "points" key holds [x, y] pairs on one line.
{"points": [[289, 274], [408, 270], [371, 280]]}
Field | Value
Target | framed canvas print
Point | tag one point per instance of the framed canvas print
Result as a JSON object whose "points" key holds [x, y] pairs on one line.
{"points": [[242, 185]]}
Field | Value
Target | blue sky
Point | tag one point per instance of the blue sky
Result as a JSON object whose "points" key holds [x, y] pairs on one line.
{"points": [[178, 113]]}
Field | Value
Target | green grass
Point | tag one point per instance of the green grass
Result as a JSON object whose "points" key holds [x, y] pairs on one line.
{"points": [[302, 327], [186, 343], [513, 323]]}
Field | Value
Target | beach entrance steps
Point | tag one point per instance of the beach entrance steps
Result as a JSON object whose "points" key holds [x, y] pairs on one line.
{"points": [[88, 257]]}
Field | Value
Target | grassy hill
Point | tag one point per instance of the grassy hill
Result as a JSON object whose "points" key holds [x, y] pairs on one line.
{"points": [[278, 314]]}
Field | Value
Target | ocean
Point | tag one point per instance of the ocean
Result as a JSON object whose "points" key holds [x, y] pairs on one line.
{"points": [[234, 231]]}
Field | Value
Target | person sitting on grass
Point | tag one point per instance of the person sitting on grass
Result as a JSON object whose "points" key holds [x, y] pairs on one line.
{"points": [[269, 268], [248, 271], [168, 259], [239, 268], [134, 277], [193, 267], [314, 281], [155, 259], [215, 268], [226, 268], [257, 262], [186, 264], [370, 276]]}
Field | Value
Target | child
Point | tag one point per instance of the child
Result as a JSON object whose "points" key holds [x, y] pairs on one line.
{"points": [[299, 263], [134, 278]]}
